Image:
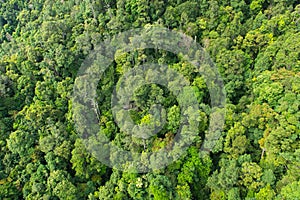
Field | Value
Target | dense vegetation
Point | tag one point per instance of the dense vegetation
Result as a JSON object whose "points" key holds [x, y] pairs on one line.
{"points": [[256, 47]]}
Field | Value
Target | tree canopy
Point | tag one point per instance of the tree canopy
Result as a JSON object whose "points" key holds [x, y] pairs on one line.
{"points": [[255, 46]]}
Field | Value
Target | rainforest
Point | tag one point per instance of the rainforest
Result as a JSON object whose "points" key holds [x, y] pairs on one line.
{"points": [[254, 46]]}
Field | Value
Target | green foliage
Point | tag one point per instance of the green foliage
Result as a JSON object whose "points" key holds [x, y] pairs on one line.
{"points": [[255, 46], [159, 186], [265, 193], [291, 191]]}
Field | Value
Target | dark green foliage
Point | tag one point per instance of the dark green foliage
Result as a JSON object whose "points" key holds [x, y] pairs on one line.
{"points": [[256, 48]]}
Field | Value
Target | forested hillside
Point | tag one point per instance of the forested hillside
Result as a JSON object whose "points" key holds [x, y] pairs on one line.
{"points": [[255, 45]]}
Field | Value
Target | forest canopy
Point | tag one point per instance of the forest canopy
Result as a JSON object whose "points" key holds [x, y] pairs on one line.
{"points": [[254, 45]]}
